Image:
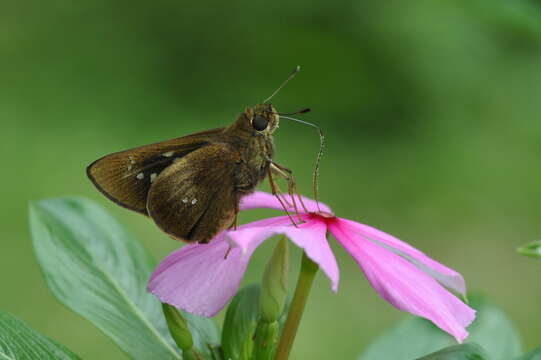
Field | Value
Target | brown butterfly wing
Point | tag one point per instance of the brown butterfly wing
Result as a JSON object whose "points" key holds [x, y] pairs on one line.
{"points": [[125, 177], [196, 197]]}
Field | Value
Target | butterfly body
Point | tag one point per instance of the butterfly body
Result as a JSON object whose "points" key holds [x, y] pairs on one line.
{"points": [[191, 186]]}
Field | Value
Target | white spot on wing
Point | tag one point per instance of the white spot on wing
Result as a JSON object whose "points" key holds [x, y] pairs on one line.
{"points": [[153, 177], [184, 201], [168, 154], [194, 201], [140, 175]]}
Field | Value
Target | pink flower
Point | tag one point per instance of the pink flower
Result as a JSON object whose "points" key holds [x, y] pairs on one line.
{"points": [[197, 278]]}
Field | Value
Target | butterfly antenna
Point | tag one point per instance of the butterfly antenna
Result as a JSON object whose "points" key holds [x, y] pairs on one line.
{"points": [[291, 75], [319, 155], [303, 111]]}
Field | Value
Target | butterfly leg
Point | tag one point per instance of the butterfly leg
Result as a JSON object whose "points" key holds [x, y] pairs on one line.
{"points": [[228, 252], [236, 221], [233, 226], [276, 193], [287, 174]]}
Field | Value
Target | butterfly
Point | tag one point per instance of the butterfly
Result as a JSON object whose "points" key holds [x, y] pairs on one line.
{"points": [[191, 186]]}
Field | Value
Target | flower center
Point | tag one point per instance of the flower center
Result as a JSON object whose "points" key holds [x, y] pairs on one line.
{"points": [[322, 216]]}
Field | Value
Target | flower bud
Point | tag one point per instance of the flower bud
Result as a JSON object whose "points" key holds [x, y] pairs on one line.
{"points": [[266, 339], [274, 284], [179, 329]]}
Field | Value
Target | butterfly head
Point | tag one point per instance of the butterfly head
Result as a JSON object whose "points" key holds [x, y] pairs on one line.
{"points": [[262, 118]]}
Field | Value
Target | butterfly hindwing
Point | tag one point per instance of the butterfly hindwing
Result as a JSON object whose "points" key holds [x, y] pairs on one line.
{"points": [[125, 177], [196, 197]]}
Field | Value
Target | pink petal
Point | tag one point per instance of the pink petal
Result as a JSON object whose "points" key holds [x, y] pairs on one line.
{"points": [[404, 285], [197, 278], [248, 234], [444, 275], [265, 200], [310, 236]]}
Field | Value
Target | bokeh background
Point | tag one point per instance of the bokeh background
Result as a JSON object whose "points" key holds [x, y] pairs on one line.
{"points": [[431, 111]]}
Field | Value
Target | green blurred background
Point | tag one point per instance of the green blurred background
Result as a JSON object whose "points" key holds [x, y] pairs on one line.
{"points": [[430, 108]]}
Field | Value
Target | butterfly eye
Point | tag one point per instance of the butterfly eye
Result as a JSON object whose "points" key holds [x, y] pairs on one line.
{"points": [[259, 123]]}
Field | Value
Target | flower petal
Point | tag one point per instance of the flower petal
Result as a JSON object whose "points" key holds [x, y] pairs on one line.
{"points": [[444, 275], [254, 232], [404, 285], [265, 200], [310, 236], [198, 278]]}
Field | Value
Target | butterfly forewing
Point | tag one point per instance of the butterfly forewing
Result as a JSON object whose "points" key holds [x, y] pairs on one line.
{"points": [[125, 177], [196, 197]]}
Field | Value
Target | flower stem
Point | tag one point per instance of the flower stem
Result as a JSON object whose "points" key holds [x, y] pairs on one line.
{"points": [[304, 284]]}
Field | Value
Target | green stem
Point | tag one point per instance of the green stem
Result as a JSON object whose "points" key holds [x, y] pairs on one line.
{"points": [[304, 284]]}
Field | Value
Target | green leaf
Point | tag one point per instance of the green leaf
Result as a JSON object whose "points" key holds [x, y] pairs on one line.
{"points": [[458, 352], [20, 342], [532, 249], [217, 353], [416, 337], [532, 355], [494, 331], [240, 324], [410, 339], [99, 271]]}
